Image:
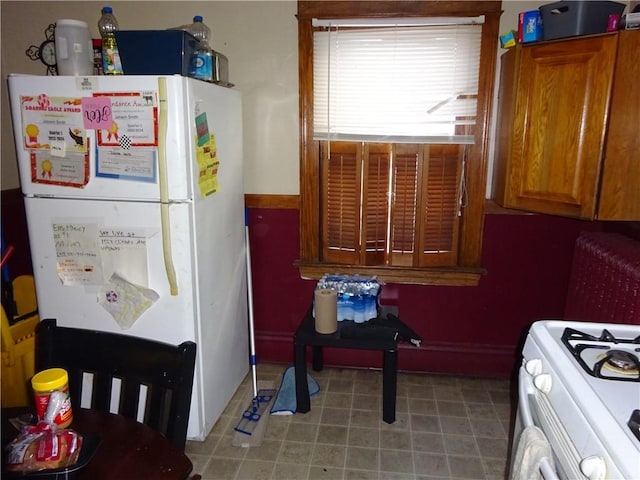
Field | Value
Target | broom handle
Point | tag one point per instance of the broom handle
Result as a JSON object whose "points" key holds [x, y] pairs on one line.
{"points": [[252, 338]]}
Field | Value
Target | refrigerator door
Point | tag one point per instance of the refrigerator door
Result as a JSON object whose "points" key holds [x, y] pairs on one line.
{"points": [[77, 246], [98, 137]]}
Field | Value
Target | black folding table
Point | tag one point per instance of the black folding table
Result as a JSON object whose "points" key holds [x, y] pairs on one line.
{"points": [[365, 338]]}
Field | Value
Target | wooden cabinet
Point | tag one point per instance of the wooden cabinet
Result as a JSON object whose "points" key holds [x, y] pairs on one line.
{"points": [[568, 134], [620, 187]]}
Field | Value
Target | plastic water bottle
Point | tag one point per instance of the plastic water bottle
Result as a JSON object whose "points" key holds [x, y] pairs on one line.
{"points": [[201, 65], [108, 25]]}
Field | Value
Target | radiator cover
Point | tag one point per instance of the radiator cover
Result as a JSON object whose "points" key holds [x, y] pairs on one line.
{"points": [[604, 285]]}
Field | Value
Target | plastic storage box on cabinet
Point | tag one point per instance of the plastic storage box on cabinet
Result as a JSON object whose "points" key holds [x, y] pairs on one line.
{"points": [[574, 18]]}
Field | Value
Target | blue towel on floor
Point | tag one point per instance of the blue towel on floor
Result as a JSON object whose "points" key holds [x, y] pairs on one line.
{"points": [[285, 403]]}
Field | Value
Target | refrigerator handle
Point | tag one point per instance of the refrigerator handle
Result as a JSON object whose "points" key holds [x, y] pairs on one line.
{"points": [[164, 187]]}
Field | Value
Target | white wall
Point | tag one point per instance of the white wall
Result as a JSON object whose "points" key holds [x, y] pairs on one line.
{"points": [[258, 37]]}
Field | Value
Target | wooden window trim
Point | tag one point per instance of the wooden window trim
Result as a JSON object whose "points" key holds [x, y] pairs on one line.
{"points": [[469, 270]]}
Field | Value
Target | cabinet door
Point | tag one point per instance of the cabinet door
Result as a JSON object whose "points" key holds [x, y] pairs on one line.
{"points": [[561, 106], [620, 190]]}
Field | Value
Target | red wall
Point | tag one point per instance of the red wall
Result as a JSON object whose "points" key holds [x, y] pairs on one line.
{"points": [[466, 330]]}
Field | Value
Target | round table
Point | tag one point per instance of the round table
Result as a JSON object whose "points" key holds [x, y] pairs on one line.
{"points": [[128, 449]]}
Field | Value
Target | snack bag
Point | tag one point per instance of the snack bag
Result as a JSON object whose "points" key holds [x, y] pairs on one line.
{"points": [[44, 446]]}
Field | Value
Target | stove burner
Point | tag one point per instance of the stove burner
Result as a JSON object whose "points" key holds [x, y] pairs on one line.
{"points": [[620, 361], [620, 365]]}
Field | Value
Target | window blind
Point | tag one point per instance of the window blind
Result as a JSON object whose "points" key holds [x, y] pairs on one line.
{"points": [[396, 83]]}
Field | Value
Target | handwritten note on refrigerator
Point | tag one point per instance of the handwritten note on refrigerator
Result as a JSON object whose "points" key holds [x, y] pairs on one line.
{"points": [[124, 252], [78, 254], [89, 253]]}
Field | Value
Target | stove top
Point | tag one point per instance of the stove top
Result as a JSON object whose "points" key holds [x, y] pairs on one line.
{"points": [[597, 379], [605, 355]]}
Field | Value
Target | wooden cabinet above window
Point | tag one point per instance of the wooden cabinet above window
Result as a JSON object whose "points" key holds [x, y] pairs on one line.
{"points": [[568, 137]]}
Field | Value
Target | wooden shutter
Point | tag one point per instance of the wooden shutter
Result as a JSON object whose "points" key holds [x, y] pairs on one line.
{"points": [[416, 223], [375, 204], [341, 187], [424, 211], [439, 205], [407, 164]]}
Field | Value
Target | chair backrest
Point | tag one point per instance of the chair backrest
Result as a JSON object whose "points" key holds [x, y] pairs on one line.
{"points": [[122, 366]]}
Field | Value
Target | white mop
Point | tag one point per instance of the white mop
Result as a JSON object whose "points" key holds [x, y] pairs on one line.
{"points": [[250, 428]]}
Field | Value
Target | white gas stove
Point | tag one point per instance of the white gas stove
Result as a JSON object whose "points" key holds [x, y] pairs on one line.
{"points": [[580, 384]]}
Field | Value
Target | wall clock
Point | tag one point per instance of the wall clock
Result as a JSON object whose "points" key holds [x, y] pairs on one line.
{"points": [[46, 51]]}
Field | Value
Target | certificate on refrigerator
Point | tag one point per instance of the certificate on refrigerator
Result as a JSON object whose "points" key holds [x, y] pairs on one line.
{"points": [[134, 120], [138, 164], [52, 123], [70, 170]]}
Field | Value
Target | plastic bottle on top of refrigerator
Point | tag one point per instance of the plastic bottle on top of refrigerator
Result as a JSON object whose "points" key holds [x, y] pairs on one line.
{"points": [[108, 25], [201, 66]]}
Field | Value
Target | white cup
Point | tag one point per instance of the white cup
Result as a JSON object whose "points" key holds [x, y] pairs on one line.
{"points": [[74, 50]]}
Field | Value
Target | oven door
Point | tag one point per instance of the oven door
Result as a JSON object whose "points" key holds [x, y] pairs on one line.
{"points": [[534, 409]]}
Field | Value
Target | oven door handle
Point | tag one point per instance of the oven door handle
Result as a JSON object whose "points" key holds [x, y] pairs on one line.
{"points": [[524, 408], [547, 470], [525, 386]]}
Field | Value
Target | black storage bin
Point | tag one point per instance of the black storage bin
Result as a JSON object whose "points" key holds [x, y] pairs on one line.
{"points": [[573, 18], [155, 52]]}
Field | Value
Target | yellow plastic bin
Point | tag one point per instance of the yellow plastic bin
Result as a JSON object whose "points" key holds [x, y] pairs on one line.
{"points": [[18, 360], [19, 345]]}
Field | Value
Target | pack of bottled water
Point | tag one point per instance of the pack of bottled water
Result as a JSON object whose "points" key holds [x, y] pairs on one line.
{"points": [[357, 296]]}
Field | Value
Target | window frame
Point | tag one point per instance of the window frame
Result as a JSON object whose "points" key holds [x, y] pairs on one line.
{"points": [[468, 270]]}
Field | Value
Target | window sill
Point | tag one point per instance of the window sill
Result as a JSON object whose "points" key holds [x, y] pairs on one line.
{"points": [[449, 276]]}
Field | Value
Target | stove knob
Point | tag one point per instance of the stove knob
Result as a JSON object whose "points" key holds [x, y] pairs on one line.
{"points": [[543, 382], [593, 467], [533, 367]]}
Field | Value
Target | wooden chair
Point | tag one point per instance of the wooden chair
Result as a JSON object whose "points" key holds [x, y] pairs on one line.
{"points": [[149, 381]]}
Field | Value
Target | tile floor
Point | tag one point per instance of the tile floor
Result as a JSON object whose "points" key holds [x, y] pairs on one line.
{"points": [[446, 428]]}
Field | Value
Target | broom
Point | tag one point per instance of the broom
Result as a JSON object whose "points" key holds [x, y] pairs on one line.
{"points": [[261, 398]]}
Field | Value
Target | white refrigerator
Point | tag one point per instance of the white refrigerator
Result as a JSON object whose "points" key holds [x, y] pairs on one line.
{"points": [[133, 191]]}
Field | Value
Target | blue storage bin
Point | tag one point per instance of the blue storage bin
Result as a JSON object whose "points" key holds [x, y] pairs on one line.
{"points": [[155, 52]]}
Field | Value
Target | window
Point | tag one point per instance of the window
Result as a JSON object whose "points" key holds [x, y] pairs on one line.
{"points": [[386, 80], [398, 190]]}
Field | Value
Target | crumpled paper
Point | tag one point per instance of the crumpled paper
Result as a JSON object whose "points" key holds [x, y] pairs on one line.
{"points": [[125, 301]]}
